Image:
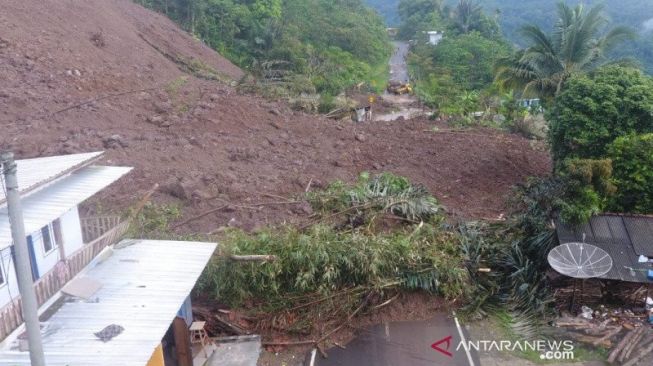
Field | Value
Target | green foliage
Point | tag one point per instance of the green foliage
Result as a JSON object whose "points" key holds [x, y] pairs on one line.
{"points": [[153, 221], [594, 110], [469, 59], [586, 189], [632, 161], [452, 75], [605, 115], [581, 188], [384, 193], [455, 73], [324, 260], [333, 44], [516, 282], [577, 44]]}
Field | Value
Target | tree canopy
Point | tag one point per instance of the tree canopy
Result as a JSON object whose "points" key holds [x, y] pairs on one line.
{"points": [[578, 43], [606, 116], [334, 44]]}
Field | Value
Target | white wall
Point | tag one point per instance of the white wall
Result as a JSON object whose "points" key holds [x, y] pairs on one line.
{"points": [[9, 289], [45, 261], [71, 230]]}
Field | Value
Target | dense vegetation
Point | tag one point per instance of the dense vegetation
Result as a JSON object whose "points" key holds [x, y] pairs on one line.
{"points": [[607, 116], [578, 43], [513, 14], [309, 46], [455, 75]]}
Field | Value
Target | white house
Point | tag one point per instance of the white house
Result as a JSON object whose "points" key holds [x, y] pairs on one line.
{"points": [[435, 37], [51, 189], [139, 286]]}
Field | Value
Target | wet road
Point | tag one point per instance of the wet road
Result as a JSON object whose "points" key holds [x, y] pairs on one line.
{"points": [[398, 68], [405, 344]]}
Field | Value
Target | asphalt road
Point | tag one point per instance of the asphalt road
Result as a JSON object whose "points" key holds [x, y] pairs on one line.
{"points": [[398, 68], [405, 344]]}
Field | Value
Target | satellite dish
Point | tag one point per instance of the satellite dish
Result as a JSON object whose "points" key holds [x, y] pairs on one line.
{"points": [[580, 260]]}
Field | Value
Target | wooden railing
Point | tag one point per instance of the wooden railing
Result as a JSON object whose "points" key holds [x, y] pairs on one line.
{"points": [[96, 226], [48, 285]]}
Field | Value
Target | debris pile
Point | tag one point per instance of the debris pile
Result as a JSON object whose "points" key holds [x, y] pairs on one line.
{"points": [[626, 333]]}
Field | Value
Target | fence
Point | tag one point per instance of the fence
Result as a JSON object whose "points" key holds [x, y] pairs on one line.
{"points": [[11, 316], [94, 227]]}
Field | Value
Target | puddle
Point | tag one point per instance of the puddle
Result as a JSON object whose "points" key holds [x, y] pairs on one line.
{"points": [[407, 113]]}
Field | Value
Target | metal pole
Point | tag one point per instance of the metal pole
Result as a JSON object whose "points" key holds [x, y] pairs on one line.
{"points": [[23, 267]]}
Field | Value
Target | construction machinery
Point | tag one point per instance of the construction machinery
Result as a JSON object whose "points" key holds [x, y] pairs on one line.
{"points": [[399, 88]]}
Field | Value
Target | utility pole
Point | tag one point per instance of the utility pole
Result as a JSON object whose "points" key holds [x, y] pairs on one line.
{"points": [[22, 262]]}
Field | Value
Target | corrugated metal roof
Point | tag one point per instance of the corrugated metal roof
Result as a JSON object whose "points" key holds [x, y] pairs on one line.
{"points": [[33, 173], [143, 287], [623, 237], [51, 202]]}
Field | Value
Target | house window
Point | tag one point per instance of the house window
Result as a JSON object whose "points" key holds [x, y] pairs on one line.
{"points": [[48, 244]]}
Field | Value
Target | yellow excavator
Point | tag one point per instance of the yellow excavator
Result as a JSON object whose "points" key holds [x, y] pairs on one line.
{"points": [[399, 88]]}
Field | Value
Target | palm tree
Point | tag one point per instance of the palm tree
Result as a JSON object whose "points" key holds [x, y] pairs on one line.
{"points": [[576, 45], [466, 15]]}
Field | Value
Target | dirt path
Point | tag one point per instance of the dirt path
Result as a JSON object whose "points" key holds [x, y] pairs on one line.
{"points": [[402, 106], [398, 67]]}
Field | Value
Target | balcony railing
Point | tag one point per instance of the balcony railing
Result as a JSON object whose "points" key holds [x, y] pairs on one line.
{"points": [[101, 232]]}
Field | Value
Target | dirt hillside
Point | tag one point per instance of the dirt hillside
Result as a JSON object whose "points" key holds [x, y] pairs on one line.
{"points": [[83, 76]]}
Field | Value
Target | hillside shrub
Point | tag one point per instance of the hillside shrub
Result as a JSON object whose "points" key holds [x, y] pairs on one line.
{"points": [[632, 162], [594, 110]]}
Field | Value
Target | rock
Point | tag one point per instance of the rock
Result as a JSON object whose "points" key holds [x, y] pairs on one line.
{"points": [[77, 72], [114, 142], [195, 142], [155, 120], [275, 111], [162, 107], [303, 208], [205, 105], [376, 166], [200, 195], [360, 137], [234, 223], [214, 97], [179, 188], [343, 161], [275, 125]]}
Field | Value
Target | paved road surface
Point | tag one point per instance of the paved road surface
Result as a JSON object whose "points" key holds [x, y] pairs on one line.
{"points": [[398, 68], [403, 344]]}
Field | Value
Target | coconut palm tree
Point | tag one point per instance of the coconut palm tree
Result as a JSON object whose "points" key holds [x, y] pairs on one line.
{"points": [[576, 45], [466, 15]]}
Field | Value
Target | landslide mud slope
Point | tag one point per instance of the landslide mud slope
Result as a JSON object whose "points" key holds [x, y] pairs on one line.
{"points": [[110, 75]]}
